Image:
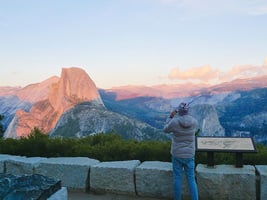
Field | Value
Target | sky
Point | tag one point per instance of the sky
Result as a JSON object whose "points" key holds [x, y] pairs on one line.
{"points": [[133, 42]]}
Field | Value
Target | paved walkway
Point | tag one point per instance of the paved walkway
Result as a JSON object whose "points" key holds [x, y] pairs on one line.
{"points": [[85, 196]]}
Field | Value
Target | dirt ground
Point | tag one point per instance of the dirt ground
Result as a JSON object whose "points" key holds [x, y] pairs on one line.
{"points": [[74, 195]]}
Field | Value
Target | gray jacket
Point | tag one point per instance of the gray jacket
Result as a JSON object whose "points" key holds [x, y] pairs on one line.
{"points": [[183, 140]]}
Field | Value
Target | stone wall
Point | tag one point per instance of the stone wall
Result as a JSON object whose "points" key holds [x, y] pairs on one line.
{"points": [[142, 179]]}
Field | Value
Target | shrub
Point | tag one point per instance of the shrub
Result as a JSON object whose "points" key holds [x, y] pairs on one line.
{"points": [[1, 126], [111, 147]]}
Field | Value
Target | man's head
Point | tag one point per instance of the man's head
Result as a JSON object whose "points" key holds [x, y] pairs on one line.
{"points": [[183, 108]]}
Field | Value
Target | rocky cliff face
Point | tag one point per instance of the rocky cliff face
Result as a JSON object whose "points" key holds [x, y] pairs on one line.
{"points": [[89, 118], [31, 93], [8, 90], [73, 87], [38, 91], [246, 116], [13, 99], [8, 107], [208, 120]]}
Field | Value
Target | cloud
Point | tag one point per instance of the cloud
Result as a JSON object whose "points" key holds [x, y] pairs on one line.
{"points": [[265, 62], [219, 7], [203, 73], [208, 74], [168, 1], [243, 71], [258, 9]]}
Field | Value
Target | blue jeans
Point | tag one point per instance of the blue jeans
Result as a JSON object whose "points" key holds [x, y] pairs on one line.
{"points": [[188, 165]]}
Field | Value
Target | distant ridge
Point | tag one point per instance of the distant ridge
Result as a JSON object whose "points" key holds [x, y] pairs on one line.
{"points": [[8, 90], [188, 89], [37, 91], [133, 91]]}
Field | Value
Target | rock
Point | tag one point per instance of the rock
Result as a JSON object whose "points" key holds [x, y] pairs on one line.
{"points": [[19, 165], [72, 171], [262, 171], [226, 182], [8, 107], [37, 91], [208, 120], [90, 118], [3, 158], [28, 187], [155, 179], [61, 194], [114, 177]]}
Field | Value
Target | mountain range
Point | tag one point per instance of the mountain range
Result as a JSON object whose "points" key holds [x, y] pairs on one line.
{"points": [[72, 106], [187, 89]]}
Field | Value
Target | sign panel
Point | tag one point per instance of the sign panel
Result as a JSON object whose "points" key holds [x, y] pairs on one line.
{"points": [[225, 144]]}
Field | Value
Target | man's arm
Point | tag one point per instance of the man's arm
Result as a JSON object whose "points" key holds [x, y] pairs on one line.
{"points": [[168, 124]]}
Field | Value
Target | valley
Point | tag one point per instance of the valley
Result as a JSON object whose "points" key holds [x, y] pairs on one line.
{"points": [[72, 106]]}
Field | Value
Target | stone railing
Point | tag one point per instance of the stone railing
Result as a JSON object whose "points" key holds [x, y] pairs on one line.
{"points": [[142, 179]]}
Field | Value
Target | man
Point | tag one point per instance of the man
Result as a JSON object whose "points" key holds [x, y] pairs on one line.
{"points": [[183, 128]]}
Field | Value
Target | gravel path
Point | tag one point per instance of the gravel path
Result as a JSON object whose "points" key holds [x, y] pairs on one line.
{"points": [[85, 196]]}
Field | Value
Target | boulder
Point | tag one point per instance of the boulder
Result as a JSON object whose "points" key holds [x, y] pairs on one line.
{"points": [[72, 171], [114, 177], [19, 165], [34, 186], [3, 159], [262, 171], [226, 182], [61, 194], [155, 179]]}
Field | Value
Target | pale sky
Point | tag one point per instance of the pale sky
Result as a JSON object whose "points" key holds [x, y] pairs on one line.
{"points": [[133, 42]]}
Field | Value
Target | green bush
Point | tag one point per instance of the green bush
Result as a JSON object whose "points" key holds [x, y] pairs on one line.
{"points": [[1, 126], [111, 147], [9, 146]]}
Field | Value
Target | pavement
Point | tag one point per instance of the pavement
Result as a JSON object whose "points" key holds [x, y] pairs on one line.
{"points": [[76, 195]]}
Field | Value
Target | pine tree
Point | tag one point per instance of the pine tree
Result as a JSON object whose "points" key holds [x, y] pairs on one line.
{"points": [[1, 126]]}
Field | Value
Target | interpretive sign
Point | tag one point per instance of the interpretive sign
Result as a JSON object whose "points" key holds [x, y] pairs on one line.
{"points": [[225, 144]]}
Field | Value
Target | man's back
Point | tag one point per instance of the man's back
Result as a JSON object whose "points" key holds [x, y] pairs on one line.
{"points": [[183, 141]]}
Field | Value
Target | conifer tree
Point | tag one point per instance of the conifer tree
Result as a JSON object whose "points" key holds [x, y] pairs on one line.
{"points": [[1, 126]]}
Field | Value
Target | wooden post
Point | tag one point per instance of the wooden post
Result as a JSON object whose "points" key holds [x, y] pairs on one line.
{"points": [[210, 159], [239, 160]]}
